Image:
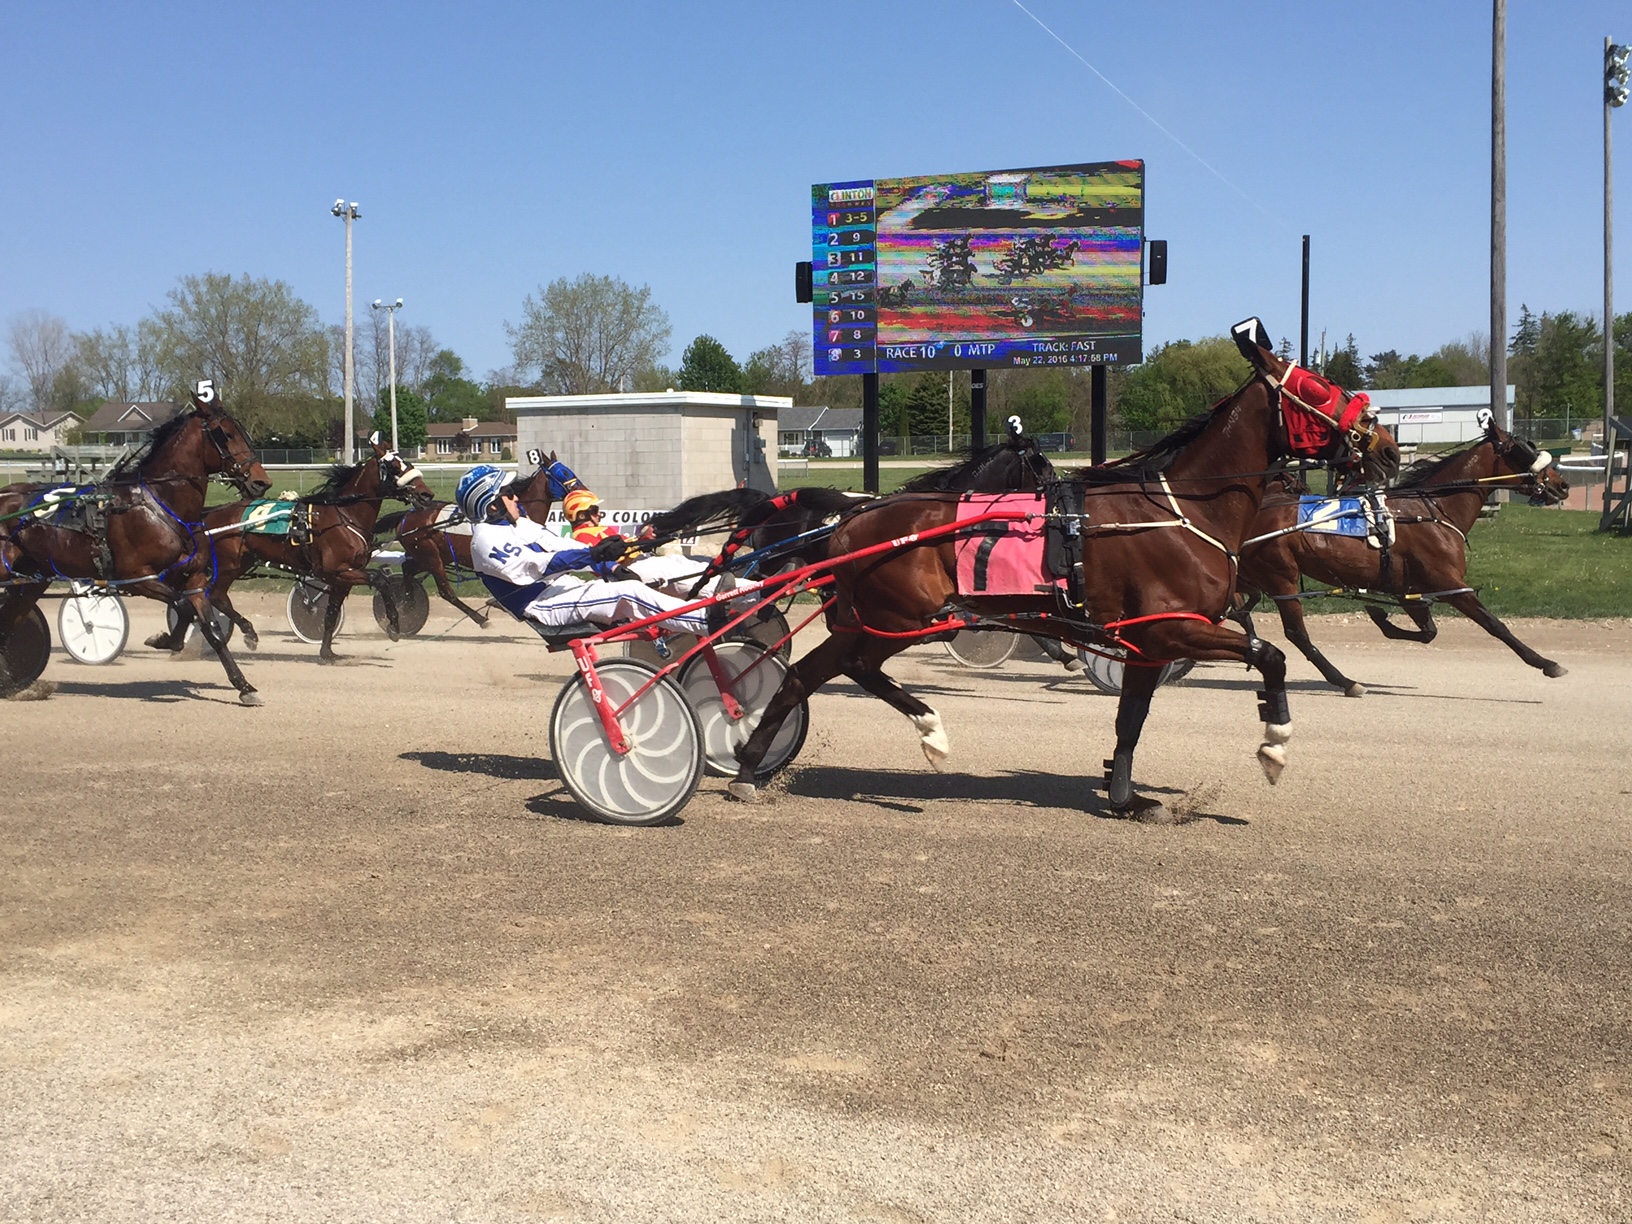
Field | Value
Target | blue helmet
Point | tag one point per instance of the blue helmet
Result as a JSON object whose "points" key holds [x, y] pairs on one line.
{"points": [[478, 488]]}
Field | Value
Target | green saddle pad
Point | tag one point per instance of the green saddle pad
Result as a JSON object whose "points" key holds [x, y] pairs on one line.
{"points": [[268, 516]]}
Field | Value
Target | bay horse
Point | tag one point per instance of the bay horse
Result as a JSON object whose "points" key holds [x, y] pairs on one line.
{"points": [[139, 527], [1157, 540], [433, 544], [327, 536], [1432, 508]]}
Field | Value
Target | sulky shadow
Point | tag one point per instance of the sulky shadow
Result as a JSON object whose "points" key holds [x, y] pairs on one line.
{"points": [[487, 764]]}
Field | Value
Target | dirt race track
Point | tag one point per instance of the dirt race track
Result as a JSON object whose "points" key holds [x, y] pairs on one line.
{"points": [[353, 957]]}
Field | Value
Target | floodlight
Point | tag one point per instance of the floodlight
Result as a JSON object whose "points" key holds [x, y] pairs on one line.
{"points": [[339, 208], [377, 305], [1616, 74]]}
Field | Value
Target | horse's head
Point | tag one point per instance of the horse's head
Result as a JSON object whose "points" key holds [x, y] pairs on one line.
{"points": [[551, 481], [396, 477], [1317, 419], [229, 452], [1531, 469]]}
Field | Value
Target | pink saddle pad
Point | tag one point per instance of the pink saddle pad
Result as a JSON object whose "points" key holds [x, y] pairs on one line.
{"points": [[1002, 557]]}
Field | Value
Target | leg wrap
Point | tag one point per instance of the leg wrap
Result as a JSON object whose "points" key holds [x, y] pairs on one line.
{"points": [[1273, 707]]}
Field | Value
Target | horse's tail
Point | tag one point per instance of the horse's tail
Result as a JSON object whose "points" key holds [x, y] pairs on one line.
{"points": [[797, 512], [723, 509]]}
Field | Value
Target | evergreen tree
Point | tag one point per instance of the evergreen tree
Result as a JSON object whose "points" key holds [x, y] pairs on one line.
{"points": [[706, 366], [1526, 335], [1343, 366]]}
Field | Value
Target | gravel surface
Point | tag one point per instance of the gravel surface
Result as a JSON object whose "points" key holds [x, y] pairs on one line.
{"points": [[355, 956]]}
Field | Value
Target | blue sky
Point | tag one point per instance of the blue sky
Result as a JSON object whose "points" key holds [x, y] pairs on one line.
{"points": [[494, 147]]}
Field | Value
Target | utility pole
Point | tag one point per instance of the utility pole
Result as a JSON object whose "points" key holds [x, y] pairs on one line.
{"points": [[1615, 94], [391, 344], [349, 213], [1303, 331], [1498, 214]]}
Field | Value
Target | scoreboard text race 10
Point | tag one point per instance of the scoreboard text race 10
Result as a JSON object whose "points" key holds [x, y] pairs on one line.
{"points": [[1012, 268]]}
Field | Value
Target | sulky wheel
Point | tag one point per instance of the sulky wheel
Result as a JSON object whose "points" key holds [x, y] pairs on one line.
{"points": [[93, 626], [1106, 674], [24, 653], [194, 640], [659, 773], [413, 606], [753, 690], [767, 632], [982, 647], [308, 605]]}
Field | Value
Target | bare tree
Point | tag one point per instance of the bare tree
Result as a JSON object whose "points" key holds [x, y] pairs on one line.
{"points": [[254, 337], [41, 349], [595, 333], [119, 362]]}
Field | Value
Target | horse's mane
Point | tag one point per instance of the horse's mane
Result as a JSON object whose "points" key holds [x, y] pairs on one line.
{"points": [[159, 437], [1421, 471], [339, 475], [1157, 457], [956, 477]]}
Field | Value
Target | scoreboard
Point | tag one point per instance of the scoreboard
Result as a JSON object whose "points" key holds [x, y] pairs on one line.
{"points": [[1002, 268]]}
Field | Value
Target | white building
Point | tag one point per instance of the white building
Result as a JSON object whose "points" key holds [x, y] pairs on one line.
{"points": [[650, 451], [36, 435], [1433, 415]]}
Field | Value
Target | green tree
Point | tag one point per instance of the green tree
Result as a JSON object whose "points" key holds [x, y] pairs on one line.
{"points": [[448, 394], [412, 417], [1179, 380], [1343, 366], [588, 335], [1526, 335], [1563, 375], [706, 366], [780, 369], [893, 418]]}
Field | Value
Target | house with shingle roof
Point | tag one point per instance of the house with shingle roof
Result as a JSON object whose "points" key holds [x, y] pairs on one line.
{"points": [[36, 433], [123, 423], [469, 438]]}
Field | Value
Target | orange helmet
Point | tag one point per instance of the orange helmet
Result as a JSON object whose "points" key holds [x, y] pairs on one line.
{"points": [[577, 501]]}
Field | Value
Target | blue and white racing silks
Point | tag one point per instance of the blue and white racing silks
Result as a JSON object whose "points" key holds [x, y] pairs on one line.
{"points": [[527, 568]]}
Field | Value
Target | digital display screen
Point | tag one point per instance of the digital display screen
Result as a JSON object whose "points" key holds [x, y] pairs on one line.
{"points": [[1032, 267]]}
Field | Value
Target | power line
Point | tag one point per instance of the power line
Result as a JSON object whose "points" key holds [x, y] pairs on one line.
{"points": [[1154, 122]]}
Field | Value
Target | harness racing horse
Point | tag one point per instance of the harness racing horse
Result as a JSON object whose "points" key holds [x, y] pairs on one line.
{"points": [[327, 536], [1156, 540], [1416, 549], [138, 528], [430, 537]]}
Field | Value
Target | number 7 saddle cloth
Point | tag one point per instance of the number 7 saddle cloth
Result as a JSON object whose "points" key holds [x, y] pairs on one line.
{"points": [[1004, 556]]}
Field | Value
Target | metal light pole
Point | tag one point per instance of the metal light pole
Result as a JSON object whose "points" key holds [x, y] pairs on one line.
{"points": [[349, 213], [1498, 214], [1615, 94], [391, 334]]}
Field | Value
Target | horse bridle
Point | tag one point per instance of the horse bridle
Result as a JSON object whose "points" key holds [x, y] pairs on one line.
{"points": [[235, 471]]}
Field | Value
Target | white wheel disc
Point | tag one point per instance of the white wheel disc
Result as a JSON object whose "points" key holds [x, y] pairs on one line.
{"points": [[1106, 674], [93, 626], [223, 626], [753, 690], [982, 647], [659, 773]]}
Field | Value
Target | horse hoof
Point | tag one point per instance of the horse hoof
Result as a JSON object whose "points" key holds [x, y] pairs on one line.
{"points": [[1273, 758], [937, 747], [252, 641], [1073, 664], [1555, 670], [1148, 811], [161, 641], [393, 634], [251, 698], [743, 792], [328, 658], [1355, 689]]}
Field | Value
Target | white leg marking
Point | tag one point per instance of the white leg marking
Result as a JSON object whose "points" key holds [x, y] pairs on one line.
{"points": [[1277, 733], [935, 744]]}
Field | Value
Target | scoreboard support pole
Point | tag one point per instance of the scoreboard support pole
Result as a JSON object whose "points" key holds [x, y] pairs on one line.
{"points": [[869, 432], [977, 411], [1098, 383]]}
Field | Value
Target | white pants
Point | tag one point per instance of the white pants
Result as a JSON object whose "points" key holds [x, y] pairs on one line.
{"points": [[567, 600], [675, 574]]}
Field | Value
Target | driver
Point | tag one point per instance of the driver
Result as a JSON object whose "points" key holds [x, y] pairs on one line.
{"points": [[527, 567]]}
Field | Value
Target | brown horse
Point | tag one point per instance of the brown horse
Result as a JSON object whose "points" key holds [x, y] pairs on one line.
{"points": [[139, 527], [1156, 537], [430, 537], [326, 536], [1432, 509]]}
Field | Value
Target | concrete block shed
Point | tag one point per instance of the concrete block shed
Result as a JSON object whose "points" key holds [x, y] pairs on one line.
{"points": [[650, 451]]}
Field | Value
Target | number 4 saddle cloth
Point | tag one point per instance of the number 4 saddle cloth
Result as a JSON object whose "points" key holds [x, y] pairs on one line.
{"points": [[1003, 556], [268, 516]]}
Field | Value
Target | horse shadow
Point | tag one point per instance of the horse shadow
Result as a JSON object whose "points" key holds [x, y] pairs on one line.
{"points": [[164, 692], [906, 791]]}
